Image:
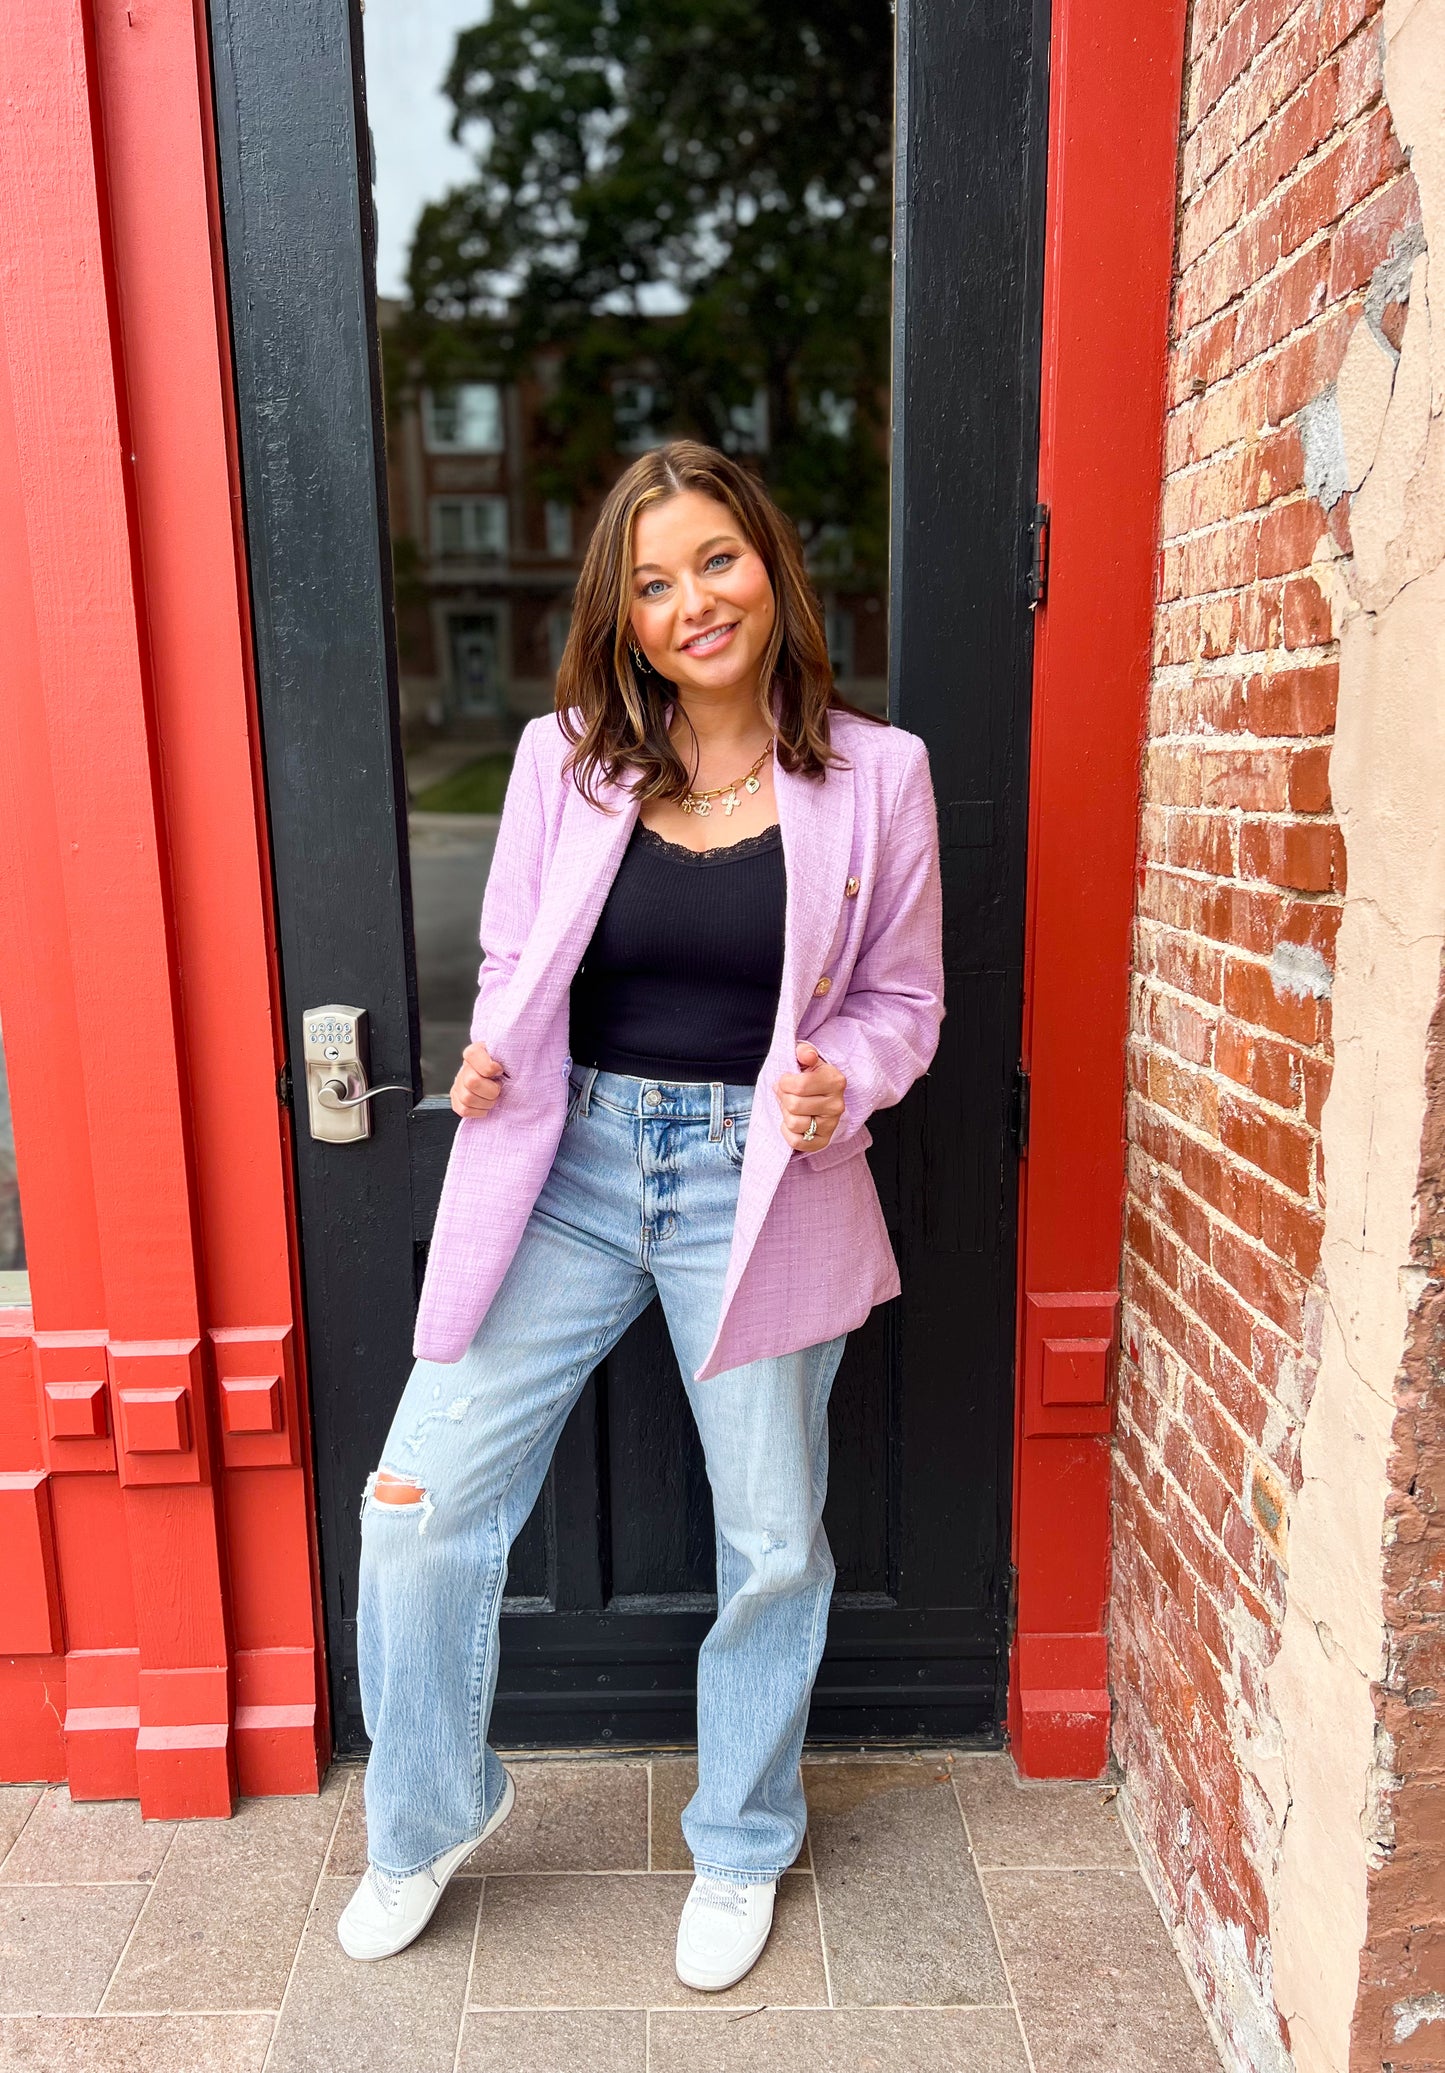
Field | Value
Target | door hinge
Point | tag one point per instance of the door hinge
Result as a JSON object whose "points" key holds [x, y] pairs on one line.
{"points": [[1037, 583], [1019, 1116], [283, 1085]]}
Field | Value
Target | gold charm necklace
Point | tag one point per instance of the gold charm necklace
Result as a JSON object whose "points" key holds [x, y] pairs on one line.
{"points": [[701, 802]]}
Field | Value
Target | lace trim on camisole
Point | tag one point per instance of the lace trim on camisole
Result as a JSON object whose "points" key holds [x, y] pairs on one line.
{"points": [[726, 853]]}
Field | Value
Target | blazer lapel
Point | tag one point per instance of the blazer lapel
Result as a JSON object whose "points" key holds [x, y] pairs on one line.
{"points": [[816, 818], [577, 879]]}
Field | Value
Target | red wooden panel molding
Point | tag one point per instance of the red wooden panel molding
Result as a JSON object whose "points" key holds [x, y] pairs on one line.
{"points": [[251, 1403], [102, 1720], [76, 1411], [256, 1369], [70, 1368], [1068, 1348], [159, 1414], [156, 1421], [1115, 76], [30, 1601], [1076, 1371]]}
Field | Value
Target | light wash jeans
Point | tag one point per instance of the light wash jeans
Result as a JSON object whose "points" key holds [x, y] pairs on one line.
{"points": [[640, 1202]]}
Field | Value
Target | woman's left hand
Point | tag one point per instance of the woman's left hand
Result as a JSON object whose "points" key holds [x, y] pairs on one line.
{"points": [[814, 1094]]}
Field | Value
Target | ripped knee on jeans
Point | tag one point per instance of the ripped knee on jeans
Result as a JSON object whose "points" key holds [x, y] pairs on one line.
{"points": [[389, 1489], [390, 1492]]}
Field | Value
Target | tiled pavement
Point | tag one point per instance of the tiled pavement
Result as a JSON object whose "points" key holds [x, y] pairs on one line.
{"points": [[946, 1920]]}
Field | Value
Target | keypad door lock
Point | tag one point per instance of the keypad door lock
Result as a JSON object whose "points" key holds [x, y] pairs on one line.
{"points": [[338, 1096]]}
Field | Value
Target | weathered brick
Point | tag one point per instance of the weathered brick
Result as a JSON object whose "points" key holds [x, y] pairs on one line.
{"points": [[1265, 1283], [1306, 364], [1292, 188], [1250, 994], [1200, 842], [1307, 856], [1271, 1070], [1252, 779], [1309, 780], [1280, 1148], [1179, 1026], [1261, 615], [1207, 355], [1364, 238], [1288, 536], [1293, 701], [1188, 1094], [1287, 300]]}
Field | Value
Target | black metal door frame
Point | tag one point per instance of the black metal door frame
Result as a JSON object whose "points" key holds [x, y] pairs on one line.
{"points": [[293, 155]]}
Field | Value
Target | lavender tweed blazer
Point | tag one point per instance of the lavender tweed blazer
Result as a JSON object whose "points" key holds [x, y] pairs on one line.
{"points": [[810, 1255]]}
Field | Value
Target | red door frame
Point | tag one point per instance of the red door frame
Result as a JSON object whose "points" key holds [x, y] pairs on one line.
{"points": [[160, 1632], [162, 1637], [1115, 81]]}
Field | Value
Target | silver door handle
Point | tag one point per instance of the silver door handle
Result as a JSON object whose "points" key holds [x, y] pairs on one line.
{"points": [[332, 1093]]}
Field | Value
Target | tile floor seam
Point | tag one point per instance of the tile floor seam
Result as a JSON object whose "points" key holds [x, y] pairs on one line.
{"points": [[129, 2015], [19, 1885], [1018, 2013], [39, 1797], [341, 1799], [823, 1938], [471, 1974], [1121, 1871], [99, 2008], [647, 2038]]}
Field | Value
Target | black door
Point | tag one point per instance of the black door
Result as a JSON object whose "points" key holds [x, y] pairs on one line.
{"points": [[609, 1592]]}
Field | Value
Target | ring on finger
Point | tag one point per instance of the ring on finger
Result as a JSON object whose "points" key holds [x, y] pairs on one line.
{"points": [[812, 1130]]}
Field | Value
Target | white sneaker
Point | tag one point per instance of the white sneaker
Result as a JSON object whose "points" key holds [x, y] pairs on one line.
{"points": [[722, 1932], [386, 1913]]}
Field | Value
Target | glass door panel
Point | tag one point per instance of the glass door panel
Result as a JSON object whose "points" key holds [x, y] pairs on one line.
{"points": [[582, 250]]}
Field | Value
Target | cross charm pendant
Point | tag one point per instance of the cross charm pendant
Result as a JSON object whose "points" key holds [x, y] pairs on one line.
{"points": [[730, 802]]}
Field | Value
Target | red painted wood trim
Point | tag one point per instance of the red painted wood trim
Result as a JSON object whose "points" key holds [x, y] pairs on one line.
{"points": [[1116, 74], [89, 684], [134, 897], [155, 97]]}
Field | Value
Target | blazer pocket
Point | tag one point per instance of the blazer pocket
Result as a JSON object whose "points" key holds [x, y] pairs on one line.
{"points": [[834, 1154]]}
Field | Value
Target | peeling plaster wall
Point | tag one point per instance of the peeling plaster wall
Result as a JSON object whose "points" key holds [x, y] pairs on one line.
{"points": [[1387, 777]]}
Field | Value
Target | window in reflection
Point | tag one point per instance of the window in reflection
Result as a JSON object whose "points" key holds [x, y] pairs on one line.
{"points": [[14, 1281], [599, 228]]}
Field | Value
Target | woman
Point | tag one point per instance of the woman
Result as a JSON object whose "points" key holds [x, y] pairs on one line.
{"points": [[712, 949]]}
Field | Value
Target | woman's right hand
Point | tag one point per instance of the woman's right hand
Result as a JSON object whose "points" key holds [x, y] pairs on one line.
{"points": [[478, 1082]]}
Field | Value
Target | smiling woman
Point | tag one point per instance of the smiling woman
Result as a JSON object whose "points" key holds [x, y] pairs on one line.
{"points": [[684, 1023], [693, 584]]}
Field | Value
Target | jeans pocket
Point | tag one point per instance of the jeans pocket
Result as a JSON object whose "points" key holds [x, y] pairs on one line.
{"points": [[735, 1138]]}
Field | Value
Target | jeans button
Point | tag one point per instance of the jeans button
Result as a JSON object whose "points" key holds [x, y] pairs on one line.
{"points": [[653, 1098]]}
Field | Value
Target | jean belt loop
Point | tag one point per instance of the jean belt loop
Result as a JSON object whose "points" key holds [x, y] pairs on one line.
{"points": [[589, 1081], [715, 1118]]}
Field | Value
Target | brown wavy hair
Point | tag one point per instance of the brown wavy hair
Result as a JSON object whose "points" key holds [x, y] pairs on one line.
{"points": [[614, 713]]}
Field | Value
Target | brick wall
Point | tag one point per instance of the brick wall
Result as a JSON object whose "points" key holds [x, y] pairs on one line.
{"points": [[1292, 190]]}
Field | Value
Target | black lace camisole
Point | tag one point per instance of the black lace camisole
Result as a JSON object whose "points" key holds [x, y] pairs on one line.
{"points": [[681, 978]]}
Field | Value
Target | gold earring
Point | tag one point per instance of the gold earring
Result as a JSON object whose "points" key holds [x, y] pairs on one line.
{"points": [[639, 660]]}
